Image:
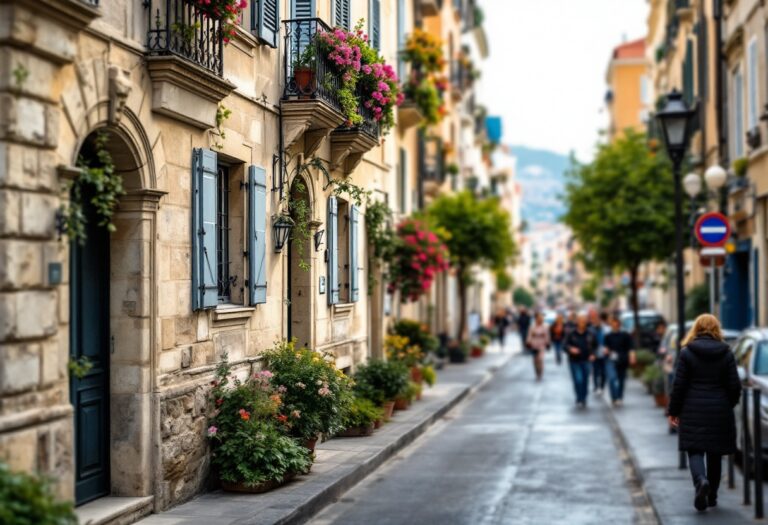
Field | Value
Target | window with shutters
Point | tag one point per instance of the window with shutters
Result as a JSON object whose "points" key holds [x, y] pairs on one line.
{"points": [[374, 30], [341, 13], [265, 21], [343, 260], [302, 9], [737, 113], [229, 234], [752, 81]]}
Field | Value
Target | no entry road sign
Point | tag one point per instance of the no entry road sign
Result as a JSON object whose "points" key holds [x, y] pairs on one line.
{"points": [[712, 229]]}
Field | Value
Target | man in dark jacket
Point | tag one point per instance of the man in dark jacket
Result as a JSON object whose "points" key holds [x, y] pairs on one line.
{"points": [[580, 344], [523, 323], [618, 343], [705, 391]]}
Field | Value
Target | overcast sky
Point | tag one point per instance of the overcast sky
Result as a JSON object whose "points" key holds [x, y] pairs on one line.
{"points": [[546, 73]]}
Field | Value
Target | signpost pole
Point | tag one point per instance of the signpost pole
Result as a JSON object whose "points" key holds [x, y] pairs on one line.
{"points": [[712, 270]]}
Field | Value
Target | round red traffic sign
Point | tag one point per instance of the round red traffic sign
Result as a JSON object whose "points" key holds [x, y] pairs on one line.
{"points": [[712, 229]]}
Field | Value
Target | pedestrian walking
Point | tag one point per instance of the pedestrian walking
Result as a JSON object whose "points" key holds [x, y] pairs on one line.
{"points": [[705, 391], [523, 324], [501, 321], [556, 336], [619, 345], [580, 344], [598, 364], [538, 342], [570, 323]]}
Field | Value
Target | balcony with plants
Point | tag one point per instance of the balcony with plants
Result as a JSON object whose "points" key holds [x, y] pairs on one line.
{"points": [[463, 74], [425, 85], [336, 85], [185, 51]]}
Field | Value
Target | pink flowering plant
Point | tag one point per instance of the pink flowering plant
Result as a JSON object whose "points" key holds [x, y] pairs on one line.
{"points": [[229, 12], [315, 394], [250, 441], [419, 255], [365, 79]]}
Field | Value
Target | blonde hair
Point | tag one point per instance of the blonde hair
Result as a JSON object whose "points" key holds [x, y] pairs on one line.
{"points": [[704, 325]]}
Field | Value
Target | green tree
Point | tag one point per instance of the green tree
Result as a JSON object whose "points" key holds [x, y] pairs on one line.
{"points": [[697, 301], [522, 297], [621, 207], [478, 232]]}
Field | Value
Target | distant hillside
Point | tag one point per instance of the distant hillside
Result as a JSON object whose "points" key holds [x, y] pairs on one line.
{"points": [[541, 175]]}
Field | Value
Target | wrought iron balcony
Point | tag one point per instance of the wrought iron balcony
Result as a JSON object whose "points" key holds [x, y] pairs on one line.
{"points": [[307, 73], [184, 29], [92, 2], [370, 125]]}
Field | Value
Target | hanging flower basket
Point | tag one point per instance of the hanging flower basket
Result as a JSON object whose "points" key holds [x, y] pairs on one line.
{"points": [[419, 256], [229, 12]]}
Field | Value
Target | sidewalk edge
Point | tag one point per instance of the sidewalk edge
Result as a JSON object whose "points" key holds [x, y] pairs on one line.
{"points": [[619, 433], [332, 492]]}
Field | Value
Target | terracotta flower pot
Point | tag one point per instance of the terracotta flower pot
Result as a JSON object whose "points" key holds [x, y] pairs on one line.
{"points": [[378, 423], [401, 403], [259, 487], [416, 375], [389, 408], [661, 400], [305, 80], [310, 444]]}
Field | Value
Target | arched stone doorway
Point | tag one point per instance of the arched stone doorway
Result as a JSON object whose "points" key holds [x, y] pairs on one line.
{"points": [[111, 308], [300, 267]]}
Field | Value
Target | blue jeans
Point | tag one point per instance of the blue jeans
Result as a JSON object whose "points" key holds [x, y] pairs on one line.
{"points": [[617, 376], [580, 375], [558, 351], [598, 373]]}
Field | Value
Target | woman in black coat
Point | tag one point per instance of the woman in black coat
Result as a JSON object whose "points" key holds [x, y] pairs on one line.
{"points": [[706, 388]]}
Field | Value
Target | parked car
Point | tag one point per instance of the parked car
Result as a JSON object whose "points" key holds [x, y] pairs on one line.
{"points": [[648, 319], [751, 352]]}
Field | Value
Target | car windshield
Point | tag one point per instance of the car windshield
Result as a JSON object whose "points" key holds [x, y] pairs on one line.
{"points": [[761, 359], [647, 323]]}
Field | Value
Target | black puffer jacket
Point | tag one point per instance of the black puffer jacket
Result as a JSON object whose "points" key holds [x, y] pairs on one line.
{"points": [[705, 390]]}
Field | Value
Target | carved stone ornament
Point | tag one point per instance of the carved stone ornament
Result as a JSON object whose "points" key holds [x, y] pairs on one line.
{"points": [[120, 86]]}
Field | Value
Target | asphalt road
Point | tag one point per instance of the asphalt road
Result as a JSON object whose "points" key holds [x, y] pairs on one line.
{"points": [[518, 452]]}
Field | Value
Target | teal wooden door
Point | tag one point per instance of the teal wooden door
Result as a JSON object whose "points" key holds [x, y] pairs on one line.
{"points": [[89, 337]]}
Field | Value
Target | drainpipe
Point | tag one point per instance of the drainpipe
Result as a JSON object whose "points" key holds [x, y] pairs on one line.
{"points": [[717, 14]]}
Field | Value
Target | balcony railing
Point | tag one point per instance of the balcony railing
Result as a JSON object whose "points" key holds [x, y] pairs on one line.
{"points": [[182, 28], [307, 73], [92, 2], [370, 125]]}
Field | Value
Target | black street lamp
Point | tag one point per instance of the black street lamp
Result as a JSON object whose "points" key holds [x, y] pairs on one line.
{"points": [[281, 230], [675, 120]]}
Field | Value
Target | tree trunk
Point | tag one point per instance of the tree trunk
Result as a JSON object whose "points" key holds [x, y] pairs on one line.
{"points": [[462, 305], [633, 271]]}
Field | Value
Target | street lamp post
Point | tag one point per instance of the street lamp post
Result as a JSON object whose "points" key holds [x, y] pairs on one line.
{"points": [[675, 123]]}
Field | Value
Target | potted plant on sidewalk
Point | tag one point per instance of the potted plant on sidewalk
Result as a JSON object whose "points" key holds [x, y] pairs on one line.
{"points": [[653, 377], [315, 393], [360, 418], [381, 382], [252, 451]]}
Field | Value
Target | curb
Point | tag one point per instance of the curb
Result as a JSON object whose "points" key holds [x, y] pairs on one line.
{"points": [[635, 463], [332, 492]]}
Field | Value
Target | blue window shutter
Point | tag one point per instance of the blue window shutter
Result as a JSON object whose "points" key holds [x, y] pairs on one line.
{"points": [[205, 290], [302, 9], [341, 13], [354, 243], [375, 23], [268, 23], [401, 38], [333, 251], [257, 234]]}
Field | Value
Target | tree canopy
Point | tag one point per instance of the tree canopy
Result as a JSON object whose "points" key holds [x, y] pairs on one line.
{"points": [[621, 206], [479, 231]]}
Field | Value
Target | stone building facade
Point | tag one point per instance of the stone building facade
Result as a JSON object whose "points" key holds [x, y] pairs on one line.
{"points": [[205, 135]]}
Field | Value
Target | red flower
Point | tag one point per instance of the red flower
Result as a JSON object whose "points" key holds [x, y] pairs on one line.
{"points": [[244, 414]]}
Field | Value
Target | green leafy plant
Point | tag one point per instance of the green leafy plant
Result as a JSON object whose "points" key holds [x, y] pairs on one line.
{"points": [[28, 500], [504, 281], [361, 412], [643, 359], [417, 333], [222, 114], [315, 393], [80, 367], [429, 375], [106, 186], [248, 433], [185, 32], [380, 235], [381, 381], [740, 166], [20, 75], [653, 378]]}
